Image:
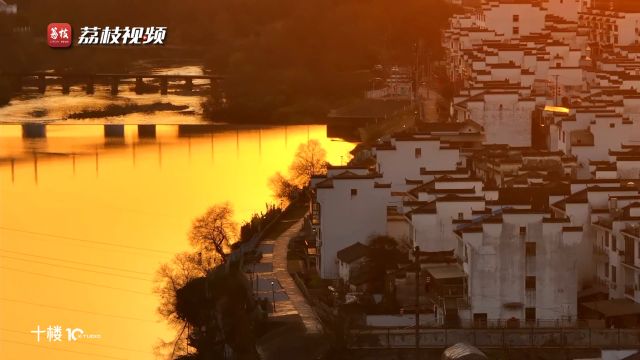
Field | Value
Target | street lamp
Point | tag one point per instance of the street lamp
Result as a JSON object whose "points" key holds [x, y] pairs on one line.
{"points": [[273, 297]]}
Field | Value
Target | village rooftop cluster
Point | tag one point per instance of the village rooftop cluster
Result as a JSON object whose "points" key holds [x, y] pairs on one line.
{"points": [[525, 205]]}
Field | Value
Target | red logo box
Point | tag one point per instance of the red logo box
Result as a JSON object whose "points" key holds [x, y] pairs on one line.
{"points": [[59, 35]]}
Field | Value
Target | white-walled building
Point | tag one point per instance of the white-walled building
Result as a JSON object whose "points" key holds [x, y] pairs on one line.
{"points": [[436, 205], [506, 116], [592, 131], [351, 208], [350, 259], [521, 264], [403, 157], [512, 18], [612, 22]]}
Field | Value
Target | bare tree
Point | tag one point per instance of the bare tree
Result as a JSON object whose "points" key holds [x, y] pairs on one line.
{"points": [[309, 160], [214, 231], [172, 276], [283, 188]]}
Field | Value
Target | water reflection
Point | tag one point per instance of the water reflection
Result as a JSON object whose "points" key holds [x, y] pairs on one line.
{"points": [[54, 107], [85, 221]]}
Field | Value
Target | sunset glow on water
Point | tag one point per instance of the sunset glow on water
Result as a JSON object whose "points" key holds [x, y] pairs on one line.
{"points": [[82, 235]]}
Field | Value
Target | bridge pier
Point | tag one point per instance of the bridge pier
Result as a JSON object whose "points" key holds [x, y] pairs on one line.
{"points": [[90, 89], [66, 86], [114, 85], [164, 85], [147, 131], [34, 130], [114, 131], [188, 84], [139, 85], [42, 84], [188, 130]]}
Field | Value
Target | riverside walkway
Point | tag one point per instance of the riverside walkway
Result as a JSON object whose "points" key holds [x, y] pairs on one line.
{"points": [[271, 279]]}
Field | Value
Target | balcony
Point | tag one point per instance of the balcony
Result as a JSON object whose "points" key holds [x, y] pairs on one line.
{"points": [[628, 260], [629, 290]]}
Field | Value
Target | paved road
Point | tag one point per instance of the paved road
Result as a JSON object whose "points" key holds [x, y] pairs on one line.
{"points": [[272, 268]]}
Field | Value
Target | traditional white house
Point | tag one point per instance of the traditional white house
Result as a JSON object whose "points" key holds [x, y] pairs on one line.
{"points": [[591, 132], [506, 116], [611, 22], [350, 259], [403, 157], [350, 208], [437, 205], [595, 205]]}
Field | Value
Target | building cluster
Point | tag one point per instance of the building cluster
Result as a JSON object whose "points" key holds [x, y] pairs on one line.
{"points": [[525, 206]]}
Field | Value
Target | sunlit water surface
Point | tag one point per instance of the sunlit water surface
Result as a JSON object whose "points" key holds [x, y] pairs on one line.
{"points": [[84, 224]]}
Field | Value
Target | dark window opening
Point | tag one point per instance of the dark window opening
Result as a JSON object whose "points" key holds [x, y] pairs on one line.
{"points": [[480, 320], [530, 283], [530, 248], [530, 314]]}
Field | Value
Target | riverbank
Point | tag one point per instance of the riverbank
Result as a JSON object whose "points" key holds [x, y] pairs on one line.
{"points": [[295, 332], [126, 109]]}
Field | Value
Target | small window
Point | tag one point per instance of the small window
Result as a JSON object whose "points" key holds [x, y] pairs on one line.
{"points": [[614, 243], [418, 152], [516, 30], [460, 216], [606, 270], [530, 283], [530, 314], [530, 248], [612, 125], [523, 230], [480, 320], [606, 240], [516, 18], [354, 192]]}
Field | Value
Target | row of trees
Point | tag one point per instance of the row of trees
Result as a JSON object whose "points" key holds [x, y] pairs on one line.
{"points": [[204, 295]]}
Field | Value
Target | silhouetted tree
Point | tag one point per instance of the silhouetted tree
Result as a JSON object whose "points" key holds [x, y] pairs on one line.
{"points": [[210, 235], [175, 274], [221, 314], [283, 189], [214, 231], [309, 160]]}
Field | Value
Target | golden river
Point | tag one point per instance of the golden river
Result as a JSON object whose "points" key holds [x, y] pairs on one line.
{"points": [[84, 224]]}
